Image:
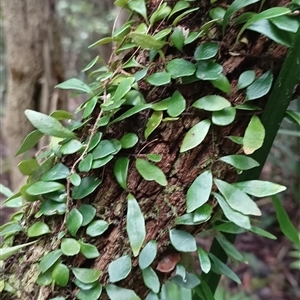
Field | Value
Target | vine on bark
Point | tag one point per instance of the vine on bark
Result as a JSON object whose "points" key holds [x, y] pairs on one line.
{"points": [[54, 186]]}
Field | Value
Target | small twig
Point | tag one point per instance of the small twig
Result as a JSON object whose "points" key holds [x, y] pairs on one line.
{"points": [[93, 132]]}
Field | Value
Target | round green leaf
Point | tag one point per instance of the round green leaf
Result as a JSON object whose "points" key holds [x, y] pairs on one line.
{"points": [[75, 179], [159, 78], [231, 214], [206, 50], [212, 103], [119, 268], [48, 125], [208, 70], [86, 275], [205, 263], [260, 188], [182, 241], [69, 247], [88, 213], [91, 294], [116, 293], [121, 171], [195, 135], [245, 79], [49, 260], [74, 221], [179, 67], [240, 162], [44, 187], [154, 157], [254, 135], [60, 275], [87, 186], [224, 117], [86, 164], [177, 105], [148, 254], [59, 171], [151, 279], [260, 87], [38, 229], [237, 199], [128, 140], [150, 171], [135, 225], [70, 147], [88, 250], [96, 228], [198, 193], [27, 166]]}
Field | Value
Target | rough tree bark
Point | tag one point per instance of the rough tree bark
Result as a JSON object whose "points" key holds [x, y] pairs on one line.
{"points": [[34, 66], [160, 205]]}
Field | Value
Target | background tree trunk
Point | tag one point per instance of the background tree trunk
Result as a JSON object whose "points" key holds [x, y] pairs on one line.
{"points": [[34, 67], [160, 205]]}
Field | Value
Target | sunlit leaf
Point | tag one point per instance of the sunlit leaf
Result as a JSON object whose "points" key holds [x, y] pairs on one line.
{"points": [[153, 122], [205, 263], [254, 135], [61, 274], [86, 275]]}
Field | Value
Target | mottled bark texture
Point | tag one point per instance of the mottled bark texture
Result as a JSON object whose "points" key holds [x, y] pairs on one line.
{"points": [[34, 67], [160, 205]]}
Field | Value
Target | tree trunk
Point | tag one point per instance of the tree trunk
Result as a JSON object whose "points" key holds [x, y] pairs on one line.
{"points": [[34, 65], [160, 205]]}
